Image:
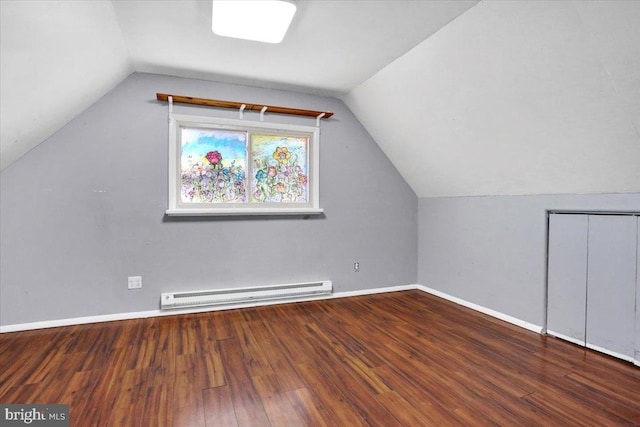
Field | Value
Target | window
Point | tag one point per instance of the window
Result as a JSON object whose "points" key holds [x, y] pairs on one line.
{"points": [[237, 167]]}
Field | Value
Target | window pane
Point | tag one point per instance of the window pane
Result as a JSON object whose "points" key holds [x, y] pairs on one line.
{"points": [[280, 173], [213, 166]]}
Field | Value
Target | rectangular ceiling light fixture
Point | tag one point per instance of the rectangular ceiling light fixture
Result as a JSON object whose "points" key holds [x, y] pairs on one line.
{"points": [[260, 20]]}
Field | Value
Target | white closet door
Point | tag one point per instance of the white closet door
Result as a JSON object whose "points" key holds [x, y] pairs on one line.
{"points": [[611, 284], [637, 349], [567, 285]]}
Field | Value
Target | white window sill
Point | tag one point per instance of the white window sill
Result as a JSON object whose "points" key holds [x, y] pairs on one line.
{"points": [[238, 212]]}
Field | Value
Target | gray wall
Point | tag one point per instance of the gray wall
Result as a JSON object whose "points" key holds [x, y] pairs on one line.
{"points": [[491, 251], [85, 209]]}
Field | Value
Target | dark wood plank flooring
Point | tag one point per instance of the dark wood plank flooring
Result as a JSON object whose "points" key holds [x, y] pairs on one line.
{"points": [[403, 358]]}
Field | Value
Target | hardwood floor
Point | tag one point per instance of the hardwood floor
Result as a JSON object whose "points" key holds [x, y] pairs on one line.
{"points": [[404, 358]]}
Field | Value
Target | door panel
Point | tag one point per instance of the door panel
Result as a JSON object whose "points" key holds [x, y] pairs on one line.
{"points": [[567, 290], [611, 283], [637, 340]]}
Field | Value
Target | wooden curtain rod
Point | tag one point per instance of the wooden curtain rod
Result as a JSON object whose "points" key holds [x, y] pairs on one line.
{"points": [[238, 105]]}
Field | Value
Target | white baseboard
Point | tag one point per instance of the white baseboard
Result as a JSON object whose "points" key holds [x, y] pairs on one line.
{"points": [[78, 321], [374, 291], [582, 343], [157, 313], [485, 310], [565, 337], [613, 353]]}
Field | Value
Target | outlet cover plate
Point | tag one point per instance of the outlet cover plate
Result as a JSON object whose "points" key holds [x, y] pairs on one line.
{"points": [[135, 282]]}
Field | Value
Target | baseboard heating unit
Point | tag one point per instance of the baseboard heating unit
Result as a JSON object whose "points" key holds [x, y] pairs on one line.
{"points": [[173, 300]]}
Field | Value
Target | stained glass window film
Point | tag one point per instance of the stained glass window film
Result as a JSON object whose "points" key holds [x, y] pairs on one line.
{"points": [[235, 167], [280, 169], [213, 166]]}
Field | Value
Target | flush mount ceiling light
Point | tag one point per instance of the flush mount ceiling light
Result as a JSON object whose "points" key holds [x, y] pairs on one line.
{"points": [[259, 20]]}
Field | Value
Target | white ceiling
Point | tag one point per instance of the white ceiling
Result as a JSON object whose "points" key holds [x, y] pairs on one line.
{"points": [[514, 98], [58, 57], [331, 45], [465, 98]]}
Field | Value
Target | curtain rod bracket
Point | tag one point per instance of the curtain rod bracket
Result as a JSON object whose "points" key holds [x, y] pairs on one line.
{"points": [[241, 112], [170, 99], [321, 115], [262, 113]]}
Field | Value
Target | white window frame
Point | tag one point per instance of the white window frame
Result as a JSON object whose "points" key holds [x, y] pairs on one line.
{"points": [[178, 208]]}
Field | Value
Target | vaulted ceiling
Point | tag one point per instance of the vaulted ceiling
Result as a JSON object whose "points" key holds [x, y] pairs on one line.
{"points": [[465, 98], [513, 98]]}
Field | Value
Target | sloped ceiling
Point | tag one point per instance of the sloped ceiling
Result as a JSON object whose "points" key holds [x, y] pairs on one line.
{"points": [[465, 98], [331, 47], [514, 97], [58, 57]]}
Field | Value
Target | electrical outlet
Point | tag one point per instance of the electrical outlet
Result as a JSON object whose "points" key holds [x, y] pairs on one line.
{"points": [[356, 266], [135, 282]]}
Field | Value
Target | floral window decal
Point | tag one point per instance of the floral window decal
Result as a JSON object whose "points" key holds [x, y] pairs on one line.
{"points": [[206, 176], [237, 167], [281, 169]]}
